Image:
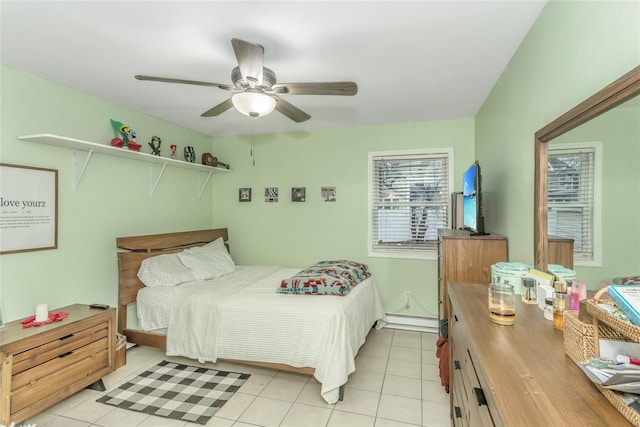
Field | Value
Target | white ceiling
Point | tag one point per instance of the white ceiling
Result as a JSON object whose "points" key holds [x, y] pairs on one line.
{"points": [[413, 61]]}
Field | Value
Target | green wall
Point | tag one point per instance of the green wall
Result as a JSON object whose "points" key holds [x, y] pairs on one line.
{"points": [[573, 50], [112, 199], [299, 234]]}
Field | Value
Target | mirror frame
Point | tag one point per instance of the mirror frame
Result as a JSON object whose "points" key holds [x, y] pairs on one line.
{"points": [[612, 95]]}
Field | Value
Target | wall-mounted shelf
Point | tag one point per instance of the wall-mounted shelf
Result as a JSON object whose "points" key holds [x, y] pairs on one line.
{"points": [[91, 147]]}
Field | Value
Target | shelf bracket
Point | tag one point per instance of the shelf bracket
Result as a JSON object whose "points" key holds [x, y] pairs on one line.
{"points": [[77, 177], [206, 181], [152, 184]]}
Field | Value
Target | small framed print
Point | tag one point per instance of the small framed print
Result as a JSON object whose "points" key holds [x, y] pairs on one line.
{"points": [[271, 194], [328, 194], [298, 194], [244, 195]]}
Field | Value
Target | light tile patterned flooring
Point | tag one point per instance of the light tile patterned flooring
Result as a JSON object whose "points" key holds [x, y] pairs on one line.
{"points": [[396, 384]]}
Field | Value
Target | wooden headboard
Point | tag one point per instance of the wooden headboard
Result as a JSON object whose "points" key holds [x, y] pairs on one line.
{"points": [[138, 248]]}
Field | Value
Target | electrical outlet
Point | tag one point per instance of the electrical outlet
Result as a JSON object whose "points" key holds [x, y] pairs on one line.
{"points": [[407, 299]]}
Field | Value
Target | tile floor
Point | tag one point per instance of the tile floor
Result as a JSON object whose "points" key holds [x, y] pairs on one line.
{"points": [[396, 384]]}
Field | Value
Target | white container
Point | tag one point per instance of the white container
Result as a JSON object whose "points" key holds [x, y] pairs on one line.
{"points": [[561, 273], [509, 273]]}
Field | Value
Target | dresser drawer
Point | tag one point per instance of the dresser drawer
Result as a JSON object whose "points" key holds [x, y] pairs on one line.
{"points": [[40, 381], [58, 347]]}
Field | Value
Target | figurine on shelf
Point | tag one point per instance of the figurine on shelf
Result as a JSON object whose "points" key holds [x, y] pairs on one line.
{"points": [[189, 154], [125, 136], [173, 151], [155, 145]]}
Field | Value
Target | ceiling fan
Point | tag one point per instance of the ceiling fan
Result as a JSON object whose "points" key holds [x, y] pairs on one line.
{"points": [[256, 91]]}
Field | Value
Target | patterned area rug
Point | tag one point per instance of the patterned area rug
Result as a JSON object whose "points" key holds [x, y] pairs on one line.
{"points": [[177, 391]]}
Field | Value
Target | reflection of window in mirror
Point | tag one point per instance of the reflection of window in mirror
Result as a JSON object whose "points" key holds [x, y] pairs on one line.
{"points": [[615, 230], [573, 198]]}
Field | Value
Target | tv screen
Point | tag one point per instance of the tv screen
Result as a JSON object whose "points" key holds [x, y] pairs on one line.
{"points": [[472, 193]]}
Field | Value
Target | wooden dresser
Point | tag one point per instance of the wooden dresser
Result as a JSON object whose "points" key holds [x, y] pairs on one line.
{"points": [[516, 375], [42, 365], [561, 251], [466, 258]]}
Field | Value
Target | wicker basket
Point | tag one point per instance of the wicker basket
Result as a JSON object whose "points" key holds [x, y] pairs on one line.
{"points": [[631, 333], [578, 336], [628, 329]]}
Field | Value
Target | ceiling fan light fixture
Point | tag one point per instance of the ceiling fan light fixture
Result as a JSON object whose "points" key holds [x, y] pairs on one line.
{"points": [[253, 104]]}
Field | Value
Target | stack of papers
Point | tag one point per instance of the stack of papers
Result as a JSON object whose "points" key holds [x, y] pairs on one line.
{"points": [[623, 377]]}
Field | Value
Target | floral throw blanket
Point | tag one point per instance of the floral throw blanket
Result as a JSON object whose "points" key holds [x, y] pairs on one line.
{"points": [[326, 278]]}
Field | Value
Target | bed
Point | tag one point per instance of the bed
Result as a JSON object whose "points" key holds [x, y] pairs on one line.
{"points": [[242, 315]]}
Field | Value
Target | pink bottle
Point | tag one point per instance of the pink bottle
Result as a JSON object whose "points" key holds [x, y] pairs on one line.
{"points": [[578, 293]]}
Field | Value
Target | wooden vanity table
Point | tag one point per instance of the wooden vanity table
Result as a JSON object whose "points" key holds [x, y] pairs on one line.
{"points": [[516, 375]]}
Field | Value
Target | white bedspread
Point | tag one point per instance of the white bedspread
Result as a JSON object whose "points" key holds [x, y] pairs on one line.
{"points": [[240, 316]]}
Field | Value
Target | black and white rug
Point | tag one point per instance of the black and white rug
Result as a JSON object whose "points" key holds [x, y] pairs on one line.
{"points": [[177, 391]]}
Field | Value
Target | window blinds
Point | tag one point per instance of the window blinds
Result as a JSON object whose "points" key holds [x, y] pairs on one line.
{"points": [[410, 200], [571, 198]]}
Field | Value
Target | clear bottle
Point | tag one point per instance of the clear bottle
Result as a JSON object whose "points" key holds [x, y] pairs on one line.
{"points": [[560, 305], [502, 304], [529, 291]]}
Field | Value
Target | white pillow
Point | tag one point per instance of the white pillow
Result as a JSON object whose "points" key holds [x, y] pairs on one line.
{"points": [[164, 270], [209, 261]]}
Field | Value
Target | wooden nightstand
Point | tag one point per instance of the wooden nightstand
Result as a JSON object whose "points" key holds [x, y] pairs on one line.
{"points": [[42, 365]]}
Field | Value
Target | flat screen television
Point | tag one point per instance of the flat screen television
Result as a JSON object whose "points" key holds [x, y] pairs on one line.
{"points": [[472, 207]]}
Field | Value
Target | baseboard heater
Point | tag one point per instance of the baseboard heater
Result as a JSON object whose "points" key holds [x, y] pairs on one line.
{"points": [[412, 322]]}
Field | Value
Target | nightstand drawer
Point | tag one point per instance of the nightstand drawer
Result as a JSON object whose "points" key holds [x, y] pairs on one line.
{"points": [[58, 347], [40, 381]]}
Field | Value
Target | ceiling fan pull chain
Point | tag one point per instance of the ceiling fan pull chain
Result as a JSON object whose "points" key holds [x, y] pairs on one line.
{"points": [[253, 142]]}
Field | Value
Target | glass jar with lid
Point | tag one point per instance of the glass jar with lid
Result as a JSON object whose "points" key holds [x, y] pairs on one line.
{"points": [[502, 304]]}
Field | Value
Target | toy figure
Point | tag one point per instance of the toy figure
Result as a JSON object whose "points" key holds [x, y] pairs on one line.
{"points": [[189, 154], [125, 136], [155, 145], [173, 151]]}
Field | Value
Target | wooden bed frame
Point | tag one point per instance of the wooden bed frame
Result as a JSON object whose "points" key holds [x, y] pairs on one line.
{"points": [[138, 248]]}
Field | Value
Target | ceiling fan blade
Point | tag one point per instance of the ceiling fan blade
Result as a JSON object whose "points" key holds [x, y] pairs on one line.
{"points": [[326, 88], [291, 111], [250, 59], [186, 82], [218, 109]]}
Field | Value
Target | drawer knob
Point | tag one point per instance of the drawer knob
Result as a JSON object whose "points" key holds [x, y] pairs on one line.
{"points": [[479, 396], [65, 354], [66, 337], [456, 364]]}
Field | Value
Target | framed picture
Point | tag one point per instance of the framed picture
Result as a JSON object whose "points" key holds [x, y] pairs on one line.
{"points": [[328, 194], [28, 208], [244, 195], [298, 194], [271, 194]]}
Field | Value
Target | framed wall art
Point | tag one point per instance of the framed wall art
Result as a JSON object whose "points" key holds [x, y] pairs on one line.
{"points": [[298, 194], [28, 208], [271, 194], [328, 194], [244, 194]]}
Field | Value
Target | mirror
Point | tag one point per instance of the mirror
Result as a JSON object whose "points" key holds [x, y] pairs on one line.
{"points": [[613, 95]]}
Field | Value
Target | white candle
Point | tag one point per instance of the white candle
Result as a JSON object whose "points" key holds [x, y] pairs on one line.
{"points": [[42, 312]]}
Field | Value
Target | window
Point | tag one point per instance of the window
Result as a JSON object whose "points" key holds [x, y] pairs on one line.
{"points": [[409, 200], [573, 198]]}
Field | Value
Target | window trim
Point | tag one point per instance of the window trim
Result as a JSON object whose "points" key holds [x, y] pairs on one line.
{"points": [[400, 252], [596, 146]]}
